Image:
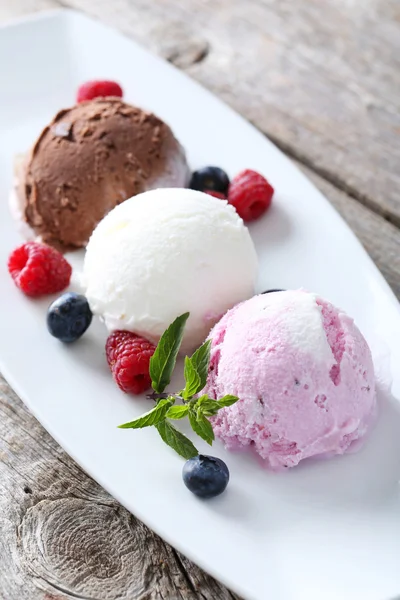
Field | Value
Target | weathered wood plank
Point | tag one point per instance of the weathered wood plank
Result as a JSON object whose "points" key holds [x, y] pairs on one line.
{"points": [[321, 79], [19, 8], [62, 536]]}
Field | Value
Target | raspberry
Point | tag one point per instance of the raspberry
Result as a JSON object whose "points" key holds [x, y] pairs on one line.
{"points": [[112, 344], [128, 357], [216, 194], [38, 269], [98, 89], [251, 194]]}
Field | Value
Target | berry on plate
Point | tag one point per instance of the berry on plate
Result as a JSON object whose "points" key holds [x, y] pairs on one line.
{"points": [[38, 269], [251, 194], [68, 317], [128, 357], [205, 476], [210, 178], [98, 89]]}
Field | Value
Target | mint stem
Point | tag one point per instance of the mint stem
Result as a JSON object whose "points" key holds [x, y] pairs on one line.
{"points": [[197, 409], [155, 396]]}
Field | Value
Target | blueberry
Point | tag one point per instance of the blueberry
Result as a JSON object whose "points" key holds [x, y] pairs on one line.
{"points": [[270, 291], [205, 476], [210, 178], [68, 317]]}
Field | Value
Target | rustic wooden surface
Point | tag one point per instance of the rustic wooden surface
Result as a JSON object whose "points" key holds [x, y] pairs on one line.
{"points": [[322, 80]]}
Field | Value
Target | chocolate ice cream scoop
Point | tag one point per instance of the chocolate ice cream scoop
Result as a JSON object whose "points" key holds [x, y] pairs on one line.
{"points": [[90, 158]]}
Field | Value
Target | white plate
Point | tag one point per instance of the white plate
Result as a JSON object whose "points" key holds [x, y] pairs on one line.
{"points": [[324, 530]]}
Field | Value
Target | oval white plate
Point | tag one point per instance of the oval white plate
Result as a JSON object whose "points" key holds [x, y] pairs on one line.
{"points": [[324, 530]]}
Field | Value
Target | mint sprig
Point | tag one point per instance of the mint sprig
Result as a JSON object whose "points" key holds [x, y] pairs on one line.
{"points": [[201, 425], [176, 440], [210, 407], [152, 417], [196, 370], [197, 409], [162, 363], [180, 411]]}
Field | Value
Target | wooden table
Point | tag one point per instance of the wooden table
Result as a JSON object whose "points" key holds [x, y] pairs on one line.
{"points": [[322, 80]]}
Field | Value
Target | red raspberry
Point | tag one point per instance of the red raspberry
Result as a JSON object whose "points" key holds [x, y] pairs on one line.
{"points": [[98, 89], [113, 341], [216, 194], [128, 356], [251, 194], [38, 269]]}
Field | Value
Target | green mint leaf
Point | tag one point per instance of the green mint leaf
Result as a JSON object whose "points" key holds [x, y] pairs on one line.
{"points": [[206, 403], [196, 370], [163, 361], [176, 440], [203, 398], [200, 360], [201, 426], [210, 412], [228, 400], [178, 412], [209, 408], [192, 379], [152, 417]]}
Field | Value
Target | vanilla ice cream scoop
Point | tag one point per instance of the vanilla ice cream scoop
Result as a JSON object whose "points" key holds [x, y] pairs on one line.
{"points": [[166, 252]]}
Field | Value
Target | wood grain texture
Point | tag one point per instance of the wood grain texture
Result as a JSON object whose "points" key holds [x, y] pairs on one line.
{"points": [[62, 536], [325, 88], [10, 9], [322, 79]]}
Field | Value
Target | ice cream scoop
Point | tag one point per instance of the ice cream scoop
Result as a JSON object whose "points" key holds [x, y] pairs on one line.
{"points": [[303, 373], [89, 159], [166, 252]]}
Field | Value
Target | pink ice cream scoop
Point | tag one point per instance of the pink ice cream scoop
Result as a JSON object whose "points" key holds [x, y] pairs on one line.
{"points": [[303, 373]]}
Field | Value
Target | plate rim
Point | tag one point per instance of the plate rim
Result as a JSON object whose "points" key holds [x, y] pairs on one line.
{"points": [[65, 12]]}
